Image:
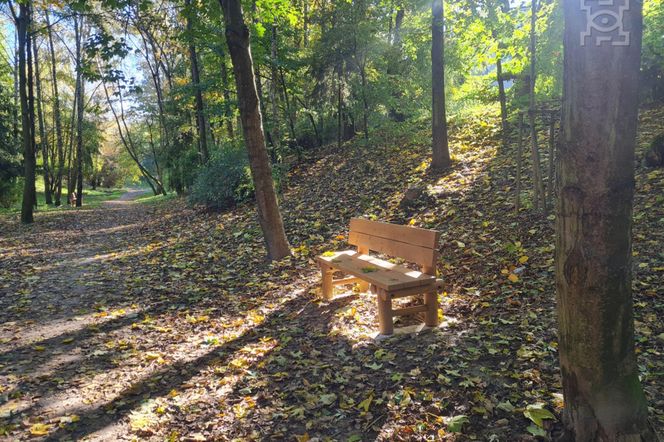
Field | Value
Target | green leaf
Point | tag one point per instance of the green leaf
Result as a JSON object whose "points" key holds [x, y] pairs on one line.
{"points": [[537, 413], [455, 423], [327, 399], [536, 431], [505, 406]]}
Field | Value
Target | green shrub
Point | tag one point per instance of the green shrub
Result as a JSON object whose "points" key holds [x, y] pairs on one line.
{"points": [[224, 181], [9, 192]]}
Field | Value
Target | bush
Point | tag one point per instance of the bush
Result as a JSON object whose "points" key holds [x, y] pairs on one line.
{"points": [[224, 181], [9, 192]]}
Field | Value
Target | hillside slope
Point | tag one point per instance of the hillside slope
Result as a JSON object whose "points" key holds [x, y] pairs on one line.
{"points": [[154, 322]]}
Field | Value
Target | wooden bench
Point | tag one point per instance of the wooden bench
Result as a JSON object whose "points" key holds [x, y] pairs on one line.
{"points": [[387, 280]]}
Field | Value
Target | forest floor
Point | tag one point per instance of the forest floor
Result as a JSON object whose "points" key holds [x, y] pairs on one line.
{"points": [[138, 321]]}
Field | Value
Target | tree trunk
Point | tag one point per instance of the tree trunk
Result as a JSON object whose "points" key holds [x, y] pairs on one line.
{"points": [[16, 89], [23, 22], [604, 400], [398, 21], [339, 109], [228, 112], [287, 102], [78, 29], [56, 112], [502, 98], [201, 125], [538, 182], [42, 132], [31, 103], [305, 23], [237, 37], [274, 73], [441, 153]]}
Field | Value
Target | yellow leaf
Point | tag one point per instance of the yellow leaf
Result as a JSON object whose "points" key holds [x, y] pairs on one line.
{"points": [[412, 222], [513, 277], [303, 438], [40, 429], [68, 341], [365, 404], [39, 348], [523, 259]]}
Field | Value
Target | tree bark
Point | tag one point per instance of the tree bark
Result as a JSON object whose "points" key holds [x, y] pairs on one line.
{"points": [[78, 30], [43, 145], [274, 73], [440, 149], [23, 22], [604, 400], [201, 124], [56, 112], [502, 98], [228, 112], [237, 37], [538, 182]]}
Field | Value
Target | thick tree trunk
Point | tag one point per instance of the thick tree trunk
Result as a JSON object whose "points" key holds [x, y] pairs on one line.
{"points": [[604, 400], [23, 21], [56, 113], [237, 37], [201, 124], [441, 152], [78, 30], [42, 131]]}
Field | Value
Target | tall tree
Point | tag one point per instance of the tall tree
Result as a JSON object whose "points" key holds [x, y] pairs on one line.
{"points": [[441, 152], [201, 124], [80, 108], [43, 145], [604, 400], [23, 24], [56, 114], [237, 37]]}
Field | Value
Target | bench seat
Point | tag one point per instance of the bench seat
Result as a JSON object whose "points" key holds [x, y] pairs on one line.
{"points": [[383, 278], [380, 273]]}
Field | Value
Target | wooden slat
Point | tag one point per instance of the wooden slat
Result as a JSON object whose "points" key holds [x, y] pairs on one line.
{"points": [[409, 310], [424, 256], [349, 280], [435, 286], [387, 276], [407, 234]]}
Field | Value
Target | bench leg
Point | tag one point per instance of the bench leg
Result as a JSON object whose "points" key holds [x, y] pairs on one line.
{"points": [[362, 285], [327, 286], [385, 314], [431, 314]]}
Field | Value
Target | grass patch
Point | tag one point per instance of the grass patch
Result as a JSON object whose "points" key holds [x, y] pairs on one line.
{"points": [[91, 199], [156, 199]]}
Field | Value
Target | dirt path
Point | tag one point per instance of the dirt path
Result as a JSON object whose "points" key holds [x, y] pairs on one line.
{"points": [[55, 286]]}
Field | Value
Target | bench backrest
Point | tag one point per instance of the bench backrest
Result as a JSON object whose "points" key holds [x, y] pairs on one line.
{"points": [[410, 243]]}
